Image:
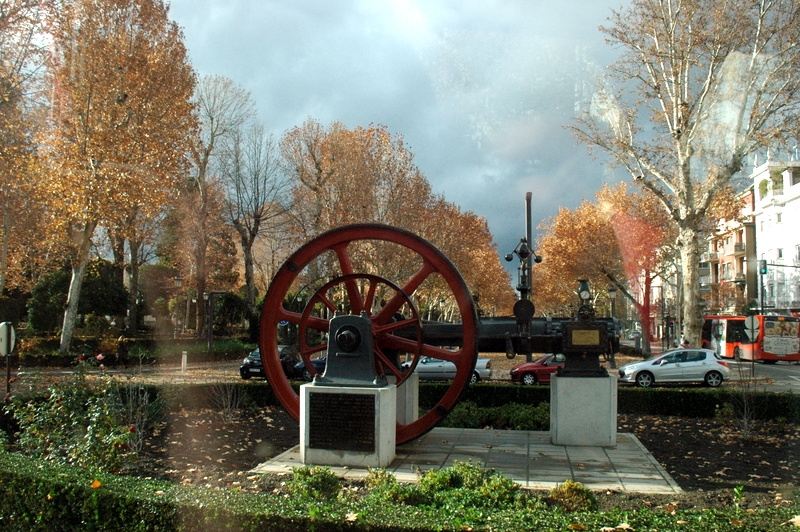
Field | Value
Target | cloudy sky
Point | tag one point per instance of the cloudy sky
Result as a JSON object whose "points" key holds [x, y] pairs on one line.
{"points": [[480, 90]]}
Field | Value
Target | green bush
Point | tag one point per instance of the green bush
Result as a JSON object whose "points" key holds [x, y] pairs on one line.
{"points": [[511, 416], [573, 497], [314, 482], [76, 424]]}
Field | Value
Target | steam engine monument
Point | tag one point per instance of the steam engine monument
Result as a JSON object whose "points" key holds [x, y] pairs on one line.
{"points": [[354, 294]]}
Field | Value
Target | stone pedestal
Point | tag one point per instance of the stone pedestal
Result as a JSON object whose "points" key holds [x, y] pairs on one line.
{"points": [[407, 399], [348, 425], [583, 411]]}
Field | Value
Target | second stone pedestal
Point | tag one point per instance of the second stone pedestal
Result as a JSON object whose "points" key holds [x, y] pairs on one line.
{"points": [[348, 425], [583, 411]]}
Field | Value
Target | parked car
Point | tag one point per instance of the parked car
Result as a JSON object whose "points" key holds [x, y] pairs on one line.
{"points": [[253, 367], [300, 369], [433, 369], [677, 365], [538, 371]]}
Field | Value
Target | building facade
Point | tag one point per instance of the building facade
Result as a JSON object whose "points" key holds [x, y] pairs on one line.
{"points": [[776, 212], [729, 270]]}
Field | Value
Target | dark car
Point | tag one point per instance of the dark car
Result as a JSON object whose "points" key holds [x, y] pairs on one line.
{"points": [[538, 371], [253, 367], [300, 369]]}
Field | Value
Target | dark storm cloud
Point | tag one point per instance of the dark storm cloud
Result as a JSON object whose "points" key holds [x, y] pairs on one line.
{"points": [[481, 91]]}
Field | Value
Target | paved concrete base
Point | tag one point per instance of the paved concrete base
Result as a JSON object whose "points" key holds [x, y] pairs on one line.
{"points": [[527, 457]]}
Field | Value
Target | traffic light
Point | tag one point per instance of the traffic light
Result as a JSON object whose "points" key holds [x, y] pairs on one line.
{"points": [[762, 267]]}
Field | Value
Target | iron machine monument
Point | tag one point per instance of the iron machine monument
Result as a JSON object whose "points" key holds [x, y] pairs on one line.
{"points": [[354, 296]]}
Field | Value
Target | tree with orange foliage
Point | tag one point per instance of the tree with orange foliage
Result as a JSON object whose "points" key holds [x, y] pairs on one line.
{"points": [[367, 175], [622, 238], [20, 58], [120, 123]]}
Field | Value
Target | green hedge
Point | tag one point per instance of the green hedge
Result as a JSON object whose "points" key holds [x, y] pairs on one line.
{"points": [[690, 402], [36, 496]]}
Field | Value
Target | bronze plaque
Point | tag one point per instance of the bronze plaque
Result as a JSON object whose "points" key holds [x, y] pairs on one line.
{"points": [[341, 422], [585, 337]]}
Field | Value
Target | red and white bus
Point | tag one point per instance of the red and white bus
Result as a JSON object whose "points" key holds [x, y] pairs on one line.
{"points": [[777, 338]]}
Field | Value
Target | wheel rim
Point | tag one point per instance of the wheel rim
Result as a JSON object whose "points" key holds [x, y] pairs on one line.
{"points": [[714, 379], [528, 379], [644, 380], [334, 261]]}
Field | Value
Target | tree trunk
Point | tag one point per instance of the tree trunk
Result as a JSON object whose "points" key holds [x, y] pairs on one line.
{"points": [[200, 261], [250, 283], [4, 246], [133, 288], [689, 245], [84, 239]]}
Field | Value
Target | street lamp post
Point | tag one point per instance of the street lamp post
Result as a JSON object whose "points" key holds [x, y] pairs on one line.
{"points": [[176, 329], [612, 294]]}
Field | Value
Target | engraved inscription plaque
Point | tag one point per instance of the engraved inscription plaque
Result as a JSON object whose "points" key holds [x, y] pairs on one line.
{"points": [[342, 422]]}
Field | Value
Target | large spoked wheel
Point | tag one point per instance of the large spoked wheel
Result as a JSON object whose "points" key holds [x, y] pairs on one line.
{"points": [[387, 274]]}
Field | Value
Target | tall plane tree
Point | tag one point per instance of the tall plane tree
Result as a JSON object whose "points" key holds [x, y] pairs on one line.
{"points": [[223, 108], [120, 121], [256, 191], [700, 85]]}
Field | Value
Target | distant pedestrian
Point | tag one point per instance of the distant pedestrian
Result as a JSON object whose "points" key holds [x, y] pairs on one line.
{"points": [[685, 343]]}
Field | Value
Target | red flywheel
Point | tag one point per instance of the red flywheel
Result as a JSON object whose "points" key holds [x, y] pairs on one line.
{"points": [[388, 274]]}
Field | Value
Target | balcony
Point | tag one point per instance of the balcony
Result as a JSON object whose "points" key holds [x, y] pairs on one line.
{"points": [[739, 248]]}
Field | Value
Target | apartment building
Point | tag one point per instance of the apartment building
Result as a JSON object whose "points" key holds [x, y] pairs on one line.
{"points": [[776, 188], [728, 270], [768, 233]]}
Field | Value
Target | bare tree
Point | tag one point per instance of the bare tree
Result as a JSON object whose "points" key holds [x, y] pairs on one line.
{"points": [[700, 84], [257, 192], [223, 109]]}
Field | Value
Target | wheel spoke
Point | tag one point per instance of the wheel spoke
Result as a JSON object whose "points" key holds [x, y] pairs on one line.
{"points": [[318, 324], [325, 300], [388, 364], [394, 304], [350, 284], [442, 354]]}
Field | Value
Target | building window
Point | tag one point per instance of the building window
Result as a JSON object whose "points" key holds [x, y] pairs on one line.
{"points": [[780, 253], [795, 177], [778, 218], [797, 253]]}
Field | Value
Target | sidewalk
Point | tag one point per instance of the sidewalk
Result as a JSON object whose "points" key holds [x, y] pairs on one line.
{"points": [[526, 457]]}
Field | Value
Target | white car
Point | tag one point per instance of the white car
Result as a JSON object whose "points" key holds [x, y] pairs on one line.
{"points": [[678, 365], [433, 369]]}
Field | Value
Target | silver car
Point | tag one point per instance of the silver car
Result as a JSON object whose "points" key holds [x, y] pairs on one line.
{"points": [[678, 365], [433, 369]]}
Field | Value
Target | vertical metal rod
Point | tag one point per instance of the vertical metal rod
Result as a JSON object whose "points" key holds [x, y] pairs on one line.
{"points": [[529, 236], [529, 265]]}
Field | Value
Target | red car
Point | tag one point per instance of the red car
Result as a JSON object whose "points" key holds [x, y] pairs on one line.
{"points": [[537, 371]]}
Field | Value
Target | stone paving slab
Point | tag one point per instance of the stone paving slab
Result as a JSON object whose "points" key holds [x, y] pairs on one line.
{"points": [[527, 457]]}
